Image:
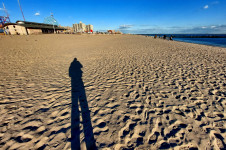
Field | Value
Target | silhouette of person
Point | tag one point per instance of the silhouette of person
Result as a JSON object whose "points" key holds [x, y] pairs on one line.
{"points": [[78, 95], [164, 37]]}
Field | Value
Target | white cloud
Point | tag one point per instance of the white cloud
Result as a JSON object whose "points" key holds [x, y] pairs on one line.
{"points": [[37, 14], [125, 26], [212, 29], [215, 2], [206, 7]]}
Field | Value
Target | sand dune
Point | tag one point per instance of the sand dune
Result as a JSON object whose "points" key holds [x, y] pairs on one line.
{"points": [[142, 93]]}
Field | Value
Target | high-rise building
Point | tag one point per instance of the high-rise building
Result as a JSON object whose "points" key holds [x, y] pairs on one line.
{"points": [[81, 27], [75, 27], [89, 28]]}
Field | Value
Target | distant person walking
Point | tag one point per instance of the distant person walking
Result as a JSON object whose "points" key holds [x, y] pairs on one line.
{"points": [[164, 37], [171, 38]]}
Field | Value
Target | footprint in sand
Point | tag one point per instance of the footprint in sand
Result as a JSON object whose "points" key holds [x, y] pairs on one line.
{"points": [[99, 126]]}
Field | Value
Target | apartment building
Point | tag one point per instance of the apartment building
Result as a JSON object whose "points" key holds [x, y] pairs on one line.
{"points": [[81, 27]]}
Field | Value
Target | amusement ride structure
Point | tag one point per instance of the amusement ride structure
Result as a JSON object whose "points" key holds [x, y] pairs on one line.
{"points": [[4, 19], [51, 20]]}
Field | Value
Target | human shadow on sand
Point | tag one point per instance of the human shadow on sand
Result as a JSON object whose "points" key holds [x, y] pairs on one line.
{"points": [[78, 95]]}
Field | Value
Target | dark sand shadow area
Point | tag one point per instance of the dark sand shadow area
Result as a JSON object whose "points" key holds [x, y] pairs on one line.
{"points": [[78, 96]]}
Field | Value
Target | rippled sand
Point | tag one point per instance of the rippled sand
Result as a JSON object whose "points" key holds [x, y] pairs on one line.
{"points": [[142, 92]]}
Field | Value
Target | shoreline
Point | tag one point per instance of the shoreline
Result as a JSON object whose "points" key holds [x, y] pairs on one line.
{"points": [[223, 46], [214, 45], [203, 44]]}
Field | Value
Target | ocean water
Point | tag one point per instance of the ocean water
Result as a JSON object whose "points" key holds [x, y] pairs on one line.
{"points": [[221, 42], [205, 39]]}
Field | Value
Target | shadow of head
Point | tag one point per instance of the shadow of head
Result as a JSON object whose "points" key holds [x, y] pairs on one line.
{"points": [[75, 70]]}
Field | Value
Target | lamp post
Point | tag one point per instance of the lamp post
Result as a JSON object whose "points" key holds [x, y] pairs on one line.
{"points": [[53, 27]]}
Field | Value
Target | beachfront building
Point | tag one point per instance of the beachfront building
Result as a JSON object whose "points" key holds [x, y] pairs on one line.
{"points": [[111, 31], [118, 32], [75, 27], [89, 28], [81, 27], [114, 32], [27, 28], [14, 29], [68, 29]]}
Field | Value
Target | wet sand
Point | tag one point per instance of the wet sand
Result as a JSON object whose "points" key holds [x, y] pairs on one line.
{"points": [[142, 93]]}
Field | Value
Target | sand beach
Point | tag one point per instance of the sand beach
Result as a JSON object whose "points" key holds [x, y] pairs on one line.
{"points": [[123, 92]]}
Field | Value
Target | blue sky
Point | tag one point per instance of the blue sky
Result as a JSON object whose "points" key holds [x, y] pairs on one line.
{"points": [[129, 16]]}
